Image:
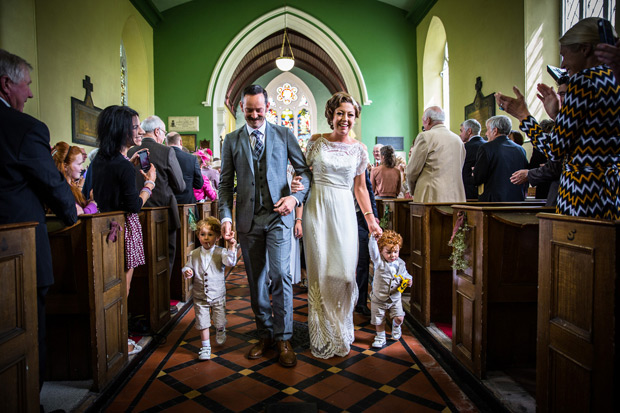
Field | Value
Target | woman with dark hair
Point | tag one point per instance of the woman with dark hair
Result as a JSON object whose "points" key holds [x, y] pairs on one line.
{"points": [[69, 160], [586, 136], [386, 179], [516, 137], [114, 177], [338, 164]]}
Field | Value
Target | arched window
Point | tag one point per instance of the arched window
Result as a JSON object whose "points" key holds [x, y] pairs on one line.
{"points": [[435, 68], [123, 75], [445, 83], [575, 10]]}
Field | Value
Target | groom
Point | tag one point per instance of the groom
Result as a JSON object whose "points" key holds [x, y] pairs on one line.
{"points": [[258, 153]]}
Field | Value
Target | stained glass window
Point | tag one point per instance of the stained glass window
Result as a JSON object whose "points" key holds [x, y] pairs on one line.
{"points": [[303, 123], [303, 101], [287, 93], [272, 116], [287, 119], [123, 76], [575, 10]]}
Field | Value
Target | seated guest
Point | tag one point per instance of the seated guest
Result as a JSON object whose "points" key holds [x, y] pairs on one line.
{"points": [[114, 178], [206, 192], [385, 178], [470, 135], [69, 160], [516, 137], [497, 160], [189, 166], [436, 161]]}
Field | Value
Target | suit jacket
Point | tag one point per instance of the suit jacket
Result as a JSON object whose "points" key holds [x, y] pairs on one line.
{"points": [[169, 178], [496, 162], [435, 167], [471, 150], [280, 148], [548, 174], [28, 179], [192, 176]]}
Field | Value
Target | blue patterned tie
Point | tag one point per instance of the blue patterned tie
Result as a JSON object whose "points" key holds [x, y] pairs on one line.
{"points": [[258, 143]]}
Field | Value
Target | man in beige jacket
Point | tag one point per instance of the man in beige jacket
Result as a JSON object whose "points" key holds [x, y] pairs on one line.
{"points": [[436, 161]]}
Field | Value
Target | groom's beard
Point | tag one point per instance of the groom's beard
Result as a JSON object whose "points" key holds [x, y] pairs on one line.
{"points": [[255, 122]]}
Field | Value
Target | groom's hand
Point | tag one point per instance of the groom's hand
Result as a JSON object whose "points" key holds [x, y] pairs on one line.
{"points": [[227, 233], [285, 205]]}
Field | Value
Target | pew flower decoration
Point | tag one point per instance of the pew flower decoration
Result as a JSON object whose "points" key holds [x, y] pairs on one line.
{"points": [[458, 244], [383, 223]]}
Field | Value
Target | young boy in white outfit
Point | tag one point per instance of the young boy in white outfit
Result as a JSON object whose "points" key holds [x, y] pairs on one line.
{"points": [[207, 264], [390, 275]]}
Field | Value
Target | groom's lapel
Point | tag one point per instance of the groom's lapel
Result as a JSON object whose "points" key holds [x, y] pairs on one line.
{"points": [[246, 148], [270, 136]]}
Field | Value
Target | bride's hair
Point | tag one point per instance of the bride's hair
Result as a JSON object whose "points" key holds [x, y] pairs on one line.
{"points": [[335, 101]]}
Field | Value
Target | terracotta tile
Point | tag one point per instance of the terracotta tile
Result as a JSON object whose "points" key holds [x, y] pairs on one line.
{"points": [[188, 406], [420, 386], [255, 389], [307, 369], [349, 395], [328, 386], [201, 374], [288, 376], [396, 350], [376, 369], [390, 402], [231, 396], [157, 393]]}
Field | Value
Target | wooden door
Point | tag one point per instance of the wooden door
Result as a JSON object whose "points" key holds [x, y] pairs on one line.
{"points": [[19, 352], [577, 367], [108, 299]]}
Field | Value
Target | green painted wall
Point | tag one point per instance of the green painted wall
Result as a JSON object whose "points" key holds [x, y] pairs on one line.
{"points": [[67, 39], [190, 39]]}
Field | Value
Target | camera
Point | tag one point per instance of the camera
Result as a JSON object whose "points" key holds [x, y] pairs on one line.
{"points": [[145, 163]]}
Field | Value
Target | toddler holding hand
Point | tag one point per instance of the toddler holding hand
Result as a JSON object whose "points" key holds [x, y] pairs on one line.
{"points": [[207, 265]]}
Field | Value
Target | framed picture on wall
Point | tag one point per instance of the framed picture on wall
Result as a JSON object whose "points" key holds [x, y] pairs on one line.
{"points": [[189, 141]]}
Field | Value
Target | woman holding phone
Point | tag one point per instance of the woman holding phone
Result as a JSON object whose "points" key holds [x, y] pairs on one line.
{"points": [[114, 177]]}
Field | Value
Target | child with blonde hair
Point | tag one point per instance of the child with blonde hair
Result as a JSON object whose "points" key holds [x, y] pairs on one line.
{"points": [[207, 264], [390, 280]]}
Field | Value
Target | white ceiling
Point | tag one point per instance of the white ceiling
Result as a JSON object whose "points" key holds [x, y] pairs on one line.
{"points": [[162, 5]]}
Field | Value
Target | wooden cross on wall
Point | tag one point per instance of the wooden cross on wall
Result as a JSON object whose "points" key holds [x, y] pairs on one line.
{"points": [[87, 84]]}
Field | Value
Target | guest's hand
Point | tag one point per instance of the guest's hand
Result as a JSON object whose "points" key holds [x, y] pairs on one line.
{"points": [[296, 184], [285, 205], [519, 177], [232, 242], [550, 100], [189, 273], [135, 158], [151, 175], [513, 106], [227, 232], [609, 55]]}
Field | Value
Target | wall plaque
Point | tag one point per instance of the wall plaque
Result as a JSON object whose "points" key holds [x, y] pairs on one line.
{"points": [[482, 108], [84, 117], [183, 123]]}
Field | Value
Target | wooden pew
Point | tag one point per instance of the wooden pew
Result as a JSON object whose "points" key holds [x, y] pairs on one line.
{"points": [[206, 209], [87, 305], [398, 220], [150, 290], [19, 352], [182, 288], [577, 367], [430, 231], [494, 300]]}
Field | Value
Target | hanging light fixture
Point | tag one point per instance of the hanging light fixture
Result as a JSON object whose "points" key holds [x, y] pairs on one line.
{"points": [[283, 62]]}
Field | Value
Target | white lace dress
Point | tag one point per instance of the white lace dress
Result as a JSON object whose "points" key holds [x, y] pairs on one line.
{"points": [[330, 243]]}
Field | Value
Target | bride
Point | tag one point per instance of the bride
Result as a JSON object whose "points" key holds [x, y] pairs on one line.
{"points": [[330, 228]]}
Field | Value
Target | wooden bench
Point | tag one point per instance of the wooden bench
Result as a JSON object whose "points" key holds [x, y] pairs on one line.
{"points": [[577, 367], [494, 300], [398, 218], [19, 351], [87, 306], [150, 290], [182, 288]]}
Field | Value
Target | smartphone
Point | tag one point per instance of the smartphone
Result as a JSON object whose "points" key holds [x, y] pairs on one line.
{"points": [[556, 73], [605, 32], [145, 163]]}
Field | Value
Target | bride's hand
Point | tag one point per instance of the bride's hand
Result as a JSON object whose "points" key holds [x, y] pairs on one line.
{"points": [[375, 230]]}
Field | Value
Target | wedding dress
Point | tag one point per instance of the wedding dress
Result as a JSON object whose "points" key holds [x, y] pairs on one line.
{"points": [[331, 242]]}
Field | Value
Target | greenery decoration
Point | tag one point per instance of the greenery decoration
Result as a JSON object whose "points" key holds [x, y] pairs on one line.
{"points": [[386, 217], [459, 246]]}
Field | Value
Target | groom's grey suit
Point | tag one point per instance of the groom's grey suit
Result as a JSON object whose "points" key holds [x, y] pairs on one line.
{"points": [[261, 182]]}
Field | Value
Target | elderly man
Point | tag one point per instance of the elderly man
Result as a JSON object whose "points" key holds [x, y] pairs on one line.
{"points": [[470, 135], [376, 153], [437, 157], [497, 160], [189, 166], [28, 177], [169, 179]]}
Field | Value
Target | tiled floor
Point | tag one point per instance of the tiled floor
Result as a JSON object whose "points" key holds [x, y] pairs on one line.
{"points": [[400, 376]]}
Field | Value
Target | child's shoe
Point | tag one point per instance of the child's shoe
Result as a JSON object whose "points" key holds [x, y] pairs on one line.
{"points": [[396, 332], [220, 336], [379, 341], [204, 353]]}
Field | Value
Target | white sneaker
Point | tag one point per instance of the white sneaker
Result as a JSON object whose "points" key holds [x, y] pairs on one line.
{"points": [[379, 342], [220, 336], [204, 353], [396, 332]]}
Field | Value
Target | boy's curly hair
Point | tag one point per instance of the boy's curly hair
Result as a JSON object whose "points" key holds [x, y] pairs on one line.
{"points": [[389, 239], [213, 222]]}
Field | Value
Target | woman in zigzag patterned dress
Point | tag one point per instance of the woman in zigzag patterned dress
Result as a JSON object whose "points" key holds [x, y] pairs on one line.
{"points": [[587, 128]]}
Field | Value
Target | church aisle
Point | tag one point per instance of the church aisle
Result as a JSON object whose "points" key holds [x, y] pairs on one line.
{"points": [[400, 376]]}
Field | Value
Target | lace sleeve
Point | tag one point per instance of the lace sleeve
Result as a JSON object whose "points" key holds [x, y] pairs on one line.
{"points": [[363, 160], [311, 150]]}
